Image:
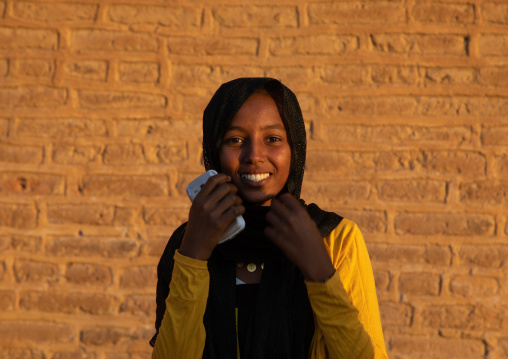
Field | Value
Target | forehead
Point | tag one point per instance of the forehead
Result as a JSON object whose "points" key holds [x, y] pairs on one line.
{"points": [[259, 110]]}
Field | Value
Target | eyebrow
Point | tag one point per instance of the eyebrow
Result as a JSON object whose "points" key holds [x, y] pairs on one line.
{"points": [[269, 127]]}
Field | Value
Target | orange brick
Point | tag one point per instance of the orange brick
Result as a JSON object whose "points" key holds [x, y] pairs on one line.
{"points": [[17, 216], [102, 336], [484, 192], [35, 332], [139, 72], [67, 302], [349, 106], [449, 75], [113, 99], [4, 67], [328, 193], [396, 314], [345, 75], [360, 161], [38, 68], [124, 155], [172, 16], [493, 45], [161, 128], [212, 46], [60, 128], [455, 224], [421, 44], [21, 183], [4, 127], [493, 76], [474, 286], [437, 346], [91, 214], [200, 76], [138, 305], [256, 16], [36, 272], [155, 216], [106, 185], [75, 155], [7, 299], [168, 153], [87, 247], [357, 12], [81, 213], [436, 255], [463, 106], [102, 40], [86, 70], [313, 45], [491, 256], [367, 221], [421, 283], [412, 191], [459, 162], [155, 247], [21, 38], [382, 279], [32, 97], [495, 12], [20, 154], [28, 244], [462, 317], [501, 165], [388, 74], [139, 277], [54, 12], [443, 13], [396, 135]]}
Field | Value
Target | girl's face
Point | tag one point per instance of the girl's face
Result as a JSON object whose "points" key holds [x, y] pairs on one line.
{"points": [[255, 151]]}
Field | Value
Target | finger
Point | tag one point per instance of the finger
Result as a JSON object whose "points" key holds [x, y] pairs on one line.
{"points": [[226, 203], [229, 216], [290, 202], [272, 234], [212, 183], [275, 220], [210, 200], [278, 208]]}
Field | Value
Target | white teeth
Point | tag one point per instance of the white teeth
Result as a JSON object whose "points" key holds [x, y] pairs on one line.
{"points": [[255, 177]]}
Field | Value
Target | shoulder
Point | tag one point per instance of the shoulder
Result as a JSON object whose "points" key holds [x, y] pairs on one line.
{"points": [[344, 241]]}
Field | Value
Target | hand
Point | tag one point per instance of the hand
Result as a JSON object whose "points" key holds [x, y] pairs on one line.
{"points": [[295, 233], [214, 208]]}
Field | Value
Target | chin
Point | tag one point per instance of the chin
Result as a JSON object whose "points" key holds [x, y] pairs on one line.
{"points": [[257, 200]]}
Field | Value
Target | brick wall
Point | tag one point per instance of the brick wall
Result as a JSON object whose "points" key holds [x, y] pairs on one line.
{"points": [[406, 103]]}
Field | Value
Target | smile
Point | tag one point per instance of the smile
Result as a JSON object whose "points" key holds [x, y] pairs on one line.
{"points": [[258, 177]]}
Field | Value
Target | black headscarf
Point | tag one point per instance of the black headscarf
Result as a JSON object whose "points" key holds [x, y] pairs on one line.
{"points": [[282, 325]]}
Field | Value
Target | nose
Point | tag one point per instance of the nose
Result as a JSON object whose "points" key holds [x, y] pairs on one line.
{"points": [[252, 153]]}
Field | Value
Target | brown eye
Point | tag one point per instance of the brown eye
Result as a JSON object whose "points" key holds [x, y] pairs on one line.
{"points": [[233, 141]]}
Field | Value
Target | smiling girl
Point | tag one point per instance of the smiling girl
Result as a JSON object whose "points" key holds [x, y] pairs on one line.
{"points": [[297, 282]]}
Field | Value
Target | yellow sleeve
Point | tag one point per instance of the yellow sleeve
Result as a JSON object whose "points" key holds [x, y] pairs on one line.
{"points": [[182, 333], [346, 307]]}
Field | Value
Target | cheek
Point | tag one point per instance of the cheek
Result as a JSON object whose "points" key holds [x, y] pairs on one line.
{"points": [[228, 161], [284, 161]]}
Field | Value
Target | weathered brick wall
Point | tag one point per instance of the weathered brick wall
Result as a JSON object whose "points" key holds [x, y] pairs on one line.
{"points": [[406, 104]]}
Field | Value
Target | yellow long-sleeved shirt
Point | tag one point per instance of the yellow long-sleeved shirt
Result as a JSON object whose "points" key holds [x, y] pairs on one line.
{"points": [[345, 306]]}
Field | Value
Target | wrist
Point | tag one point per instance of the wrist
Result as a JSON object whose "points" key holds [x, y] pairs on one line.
{"points": [[319, 274], [193, 250]]}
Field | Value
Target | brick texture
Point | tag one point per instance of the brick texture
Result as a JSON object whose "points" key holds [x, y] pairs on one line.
{"points": [[406, 108]]}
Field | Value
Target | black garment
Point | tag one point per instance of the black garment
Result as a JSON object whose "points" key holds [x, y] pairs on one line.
{"points": [[282, 323]]}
